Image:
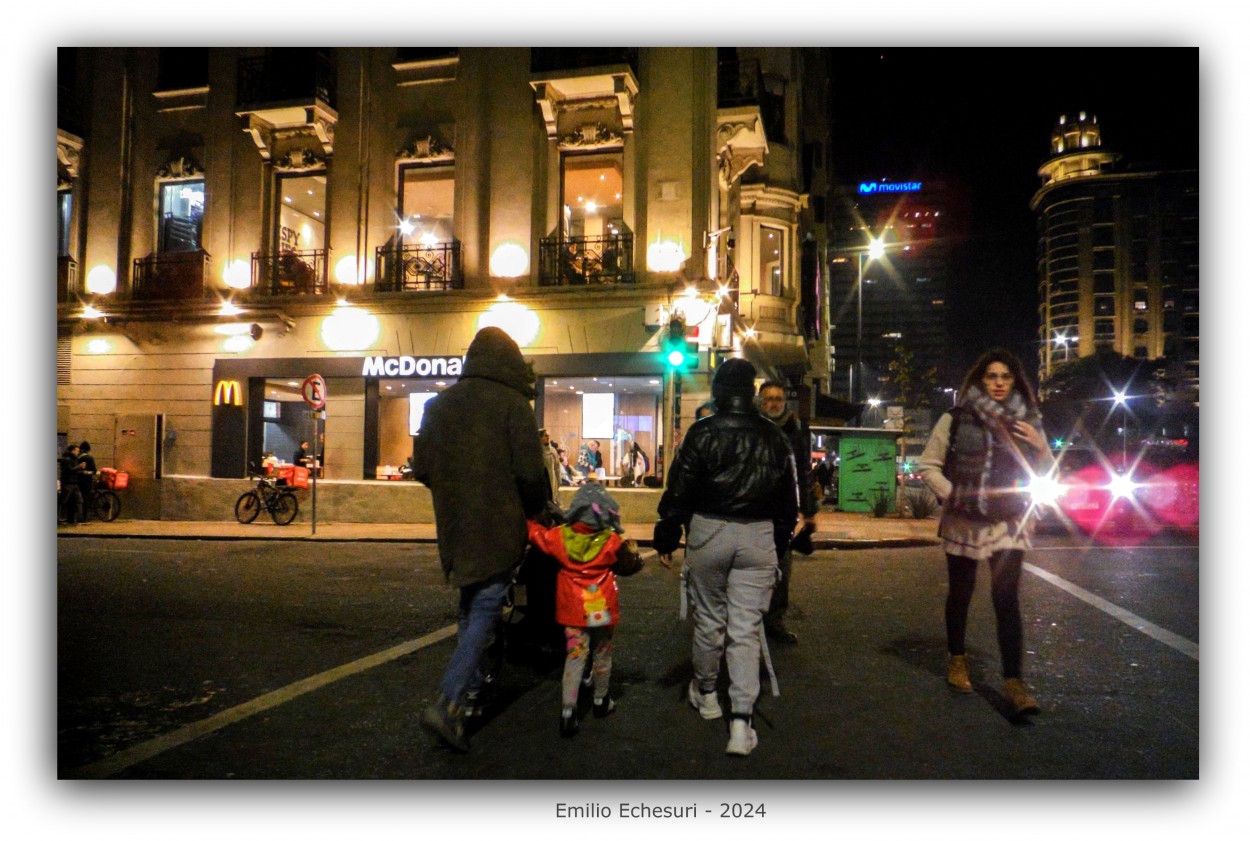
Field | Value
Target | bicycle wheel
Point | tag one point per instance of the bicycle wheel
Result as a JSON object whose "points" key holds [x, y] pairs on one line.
{"points": [[107, 506], [285, 507], [248, 506]]}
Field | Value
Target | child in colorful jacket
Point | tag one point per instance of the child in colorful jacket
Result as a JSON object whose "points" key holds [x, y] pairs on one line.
{"points": [[587, 547]]}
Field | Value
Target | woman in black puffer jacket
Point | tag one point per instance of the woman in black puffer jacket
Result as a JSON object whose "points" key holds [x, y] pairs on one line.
{"points": [[732, 487]]}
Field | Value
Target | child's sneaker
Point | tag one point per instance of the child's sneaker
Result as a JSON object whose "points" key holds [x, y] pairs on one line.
{"points": [[604, 707], [742, 738], [569, 725], [706, 703]]}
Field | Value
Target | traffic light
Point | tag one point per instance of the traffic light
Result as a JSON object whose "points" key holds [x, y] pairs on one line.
{"points": [[679, 354]]}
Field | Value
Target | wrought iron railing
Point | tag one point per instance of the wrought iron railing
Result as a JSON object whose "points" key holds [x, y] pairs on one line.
{"points": [[161, 277], [284, 74], [66, 278], [418, 267], [582, 261], [290, 272]]}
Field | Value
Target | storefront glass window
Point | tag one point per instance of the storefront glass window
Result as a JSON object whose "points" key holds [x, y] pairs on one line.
{"points": [[401, 405], [288, 420], [615, 412]]}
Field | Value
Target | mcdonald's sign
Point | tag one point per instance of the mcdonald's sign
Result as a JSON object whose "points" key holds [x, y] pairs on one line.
{"points": [[228, 393]]}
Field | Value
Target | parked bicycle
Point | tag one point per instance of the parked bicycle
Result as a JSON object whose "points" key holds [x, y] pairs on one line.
{"points": [[103, 502], [279, 501]]}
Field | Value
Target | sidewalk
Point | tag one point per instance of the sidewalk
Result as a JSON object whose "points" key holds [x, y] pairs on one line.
{"points": [[834, 530]]}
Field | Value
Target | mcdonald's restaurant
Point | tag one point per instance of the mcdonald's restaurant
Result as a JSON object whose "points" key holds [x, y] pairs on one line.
{"points": [[602, 382]]}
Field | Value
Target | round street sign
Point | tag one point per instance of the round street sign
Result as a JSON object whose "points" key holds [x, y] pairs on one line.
{"points": [[314, 391]]}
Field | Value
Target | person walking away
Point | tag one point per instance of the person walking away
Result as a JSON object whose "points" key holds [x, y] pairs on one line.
{"points": [[977, 461], [772, 399], [478, 452], [587, 602], [732, 488], [71, 508]]}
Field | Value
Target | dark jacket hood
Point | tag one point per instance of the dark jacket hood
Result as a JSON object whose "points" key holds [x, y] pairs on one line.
{"points": [[493, 355]]}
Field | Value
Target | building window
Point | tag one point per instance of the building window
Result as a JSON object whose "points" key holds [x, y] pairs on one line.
{"points": [[182, 216], [182, 68], [64, 211], [591, 195], [771, 249], [427, 205], [301, 212]]}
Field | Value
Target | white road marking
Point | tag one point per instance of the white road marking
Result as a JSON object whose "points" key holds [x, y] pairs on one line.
{"points": [[1176, 641], [110, 765]]}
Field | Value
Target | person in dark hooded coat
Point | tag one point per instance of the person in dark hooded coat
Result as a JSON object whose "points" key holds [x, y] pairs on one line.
{"points": [[479, 454]]}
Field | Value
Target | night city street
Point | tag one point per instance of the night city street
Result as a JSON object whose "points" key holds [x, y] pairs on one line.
{"points": [[332, 311], [156, 636]]}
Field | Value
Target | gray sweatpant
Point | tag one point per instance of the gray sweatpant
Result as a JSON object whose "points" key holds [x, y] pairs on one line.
{"points": [[732, 570]]}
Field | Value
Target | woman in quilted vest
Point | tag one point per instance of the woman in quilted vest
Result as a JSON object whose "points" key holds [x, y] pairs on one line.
{"points": [[978, 462]]}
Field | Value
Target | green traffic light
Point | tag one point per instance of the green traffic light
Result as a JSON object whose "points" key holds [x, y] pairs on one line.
{"points": [[676, 358]]}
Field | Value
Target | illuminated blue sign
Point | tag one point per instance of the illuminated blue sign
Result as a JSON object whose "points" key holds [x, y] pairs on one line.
{"points": [[867, 188]]}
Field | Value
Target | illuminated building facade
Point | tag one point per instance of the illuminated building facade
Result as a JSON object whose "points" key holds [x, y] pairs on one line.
{"points": [[904, 290], [1117, 255], [251, 216]]}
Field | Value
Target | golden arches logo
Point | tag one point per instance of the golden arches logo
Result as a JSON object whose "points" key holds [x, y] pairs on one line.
{"points": [[228, 393]]}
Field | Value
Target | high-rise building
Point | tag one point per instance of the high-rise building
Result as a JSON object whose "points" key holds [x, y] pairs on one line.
{"points": [[1117, 255], [894, 294], [233, 220]]}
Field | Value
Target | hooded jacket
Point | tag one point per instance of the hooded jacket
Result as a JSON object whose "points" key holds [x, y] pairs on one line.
{"points": [[586, 592], [478, 451], [737, 464]]}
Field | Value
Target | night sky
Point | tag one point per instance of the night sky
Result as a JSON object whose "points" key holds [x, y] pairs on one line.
{"points": [[982, 117]]}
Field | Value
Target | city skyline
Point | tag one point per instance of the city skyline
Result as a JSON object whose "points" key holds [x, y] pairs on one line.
{"points": [[916, 113]]}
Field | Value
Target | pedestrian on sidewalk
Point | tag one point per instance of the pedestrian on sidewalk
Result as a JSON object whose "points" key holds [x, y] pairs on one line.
{"points": [[732, 488], [71, 508], [589, 549], [478, 452], [978, 459], [772, 399]]}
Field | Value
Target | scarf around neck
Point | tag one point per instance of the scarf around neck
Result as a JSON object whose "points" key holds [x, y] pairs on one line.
{"points": [[987, 464]]}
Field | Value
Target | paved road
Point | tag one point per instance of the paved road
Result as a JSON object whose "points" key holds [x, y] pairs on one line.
{"points": [[204, 660]]}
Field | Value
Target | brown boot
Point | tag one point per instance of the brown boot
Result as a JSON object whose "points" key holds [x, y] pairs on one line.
{"points": [[957, 673], [1024, 703]]}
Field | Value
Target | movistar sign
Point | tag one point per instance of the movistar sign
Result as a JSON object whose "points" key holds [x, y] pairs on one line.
{"points": [[413, 366], [869, 187]]}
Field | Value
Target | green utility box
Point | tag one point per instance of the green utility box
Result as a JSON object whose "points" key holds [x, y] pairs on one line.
{"points": [[868, 468]]}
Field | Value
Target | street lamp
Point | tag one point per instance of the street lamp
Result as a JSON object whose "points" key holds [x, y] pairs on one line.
{"points": [[873, 251], [1122, 401]]}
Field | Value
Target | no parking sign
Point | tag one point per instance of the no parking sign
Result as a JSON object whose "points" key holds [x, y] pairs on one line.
{"points": [[314, 390]]}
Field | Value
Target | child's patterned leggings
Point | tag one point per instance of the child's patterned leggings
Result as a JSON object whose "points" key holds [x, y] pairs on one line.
{"points": [[579, 643]]}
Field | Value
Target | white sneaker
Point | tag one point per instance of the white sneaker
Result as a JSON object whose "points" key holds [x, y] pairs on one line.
{"points": [[742, 738], [707, 704]]}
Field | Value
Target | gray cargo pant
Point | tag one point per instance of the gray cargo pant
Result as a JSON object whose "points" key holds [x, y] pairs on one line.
{"points": [[732, 569]]}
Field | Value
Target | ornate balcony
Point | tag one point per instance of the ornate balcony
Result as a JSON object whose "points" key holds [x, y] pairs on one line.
{"points": [[165, 277], [290, 272], [66, 279], [413, 268], [585, 261]]}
